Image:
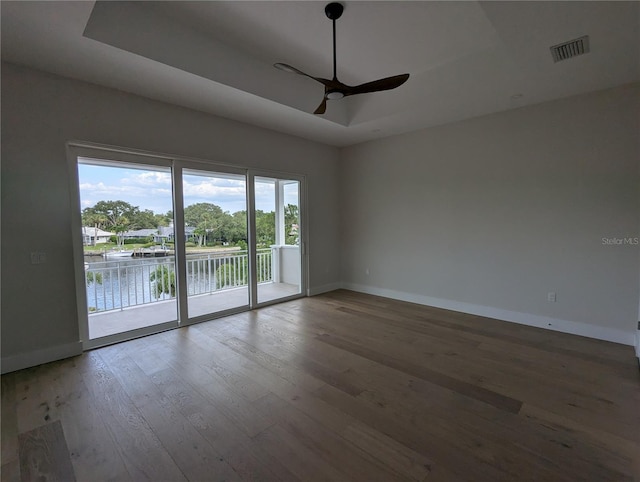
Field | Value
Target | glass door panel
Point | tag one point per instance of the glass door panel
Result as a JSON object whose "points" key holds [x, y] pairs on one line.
{"points": [[278, 254], [215, 228], [129, 260]]}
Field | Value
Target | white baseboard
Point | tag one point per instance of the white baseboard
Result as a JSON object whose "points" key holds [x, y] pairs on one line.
{"points": [[38, 357], [565, 326], [318, 290]]}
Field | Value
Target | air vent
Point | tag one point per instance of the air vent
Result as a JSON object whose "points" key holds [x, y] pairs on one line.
{"points": [[569, 49]]}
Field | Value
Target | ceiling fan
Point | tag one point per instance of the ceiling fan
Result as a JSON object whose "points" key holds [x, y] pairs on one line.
{"points": [[334, 89]]}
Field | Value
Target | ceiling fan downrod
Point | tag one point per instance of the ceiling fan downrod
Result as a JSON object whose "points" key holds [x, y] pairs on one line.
{"points": [[333, 11]]}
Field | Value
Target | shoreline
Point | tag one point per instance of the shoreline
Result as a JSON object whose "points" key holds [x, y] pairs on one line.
{"points": [[100, 254]]}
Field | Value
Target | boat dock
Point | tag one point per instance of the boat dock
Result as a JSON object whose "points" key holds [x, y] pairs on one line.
{"points": [[151, 253]]}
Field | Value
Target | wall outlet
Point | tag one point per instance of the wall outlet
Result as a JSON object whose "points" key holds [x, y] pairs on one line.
{"points": [[366, 271], [551, 297], [38, 257]]}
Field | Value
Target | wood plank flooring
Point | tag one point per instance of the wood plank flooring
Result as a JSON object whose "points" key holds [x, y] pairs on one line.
{"points": [[342, 386]]}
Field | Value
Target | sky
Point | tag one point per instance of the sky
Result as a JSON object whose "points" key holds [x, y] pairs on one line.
{"points": [[151, 189]]}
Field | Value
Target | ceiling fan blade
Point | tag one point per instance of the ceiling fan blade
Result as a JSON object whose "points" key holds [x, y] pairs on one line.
{"points": [[288, 68], [322, 107], [387, 83], [293, 70]]}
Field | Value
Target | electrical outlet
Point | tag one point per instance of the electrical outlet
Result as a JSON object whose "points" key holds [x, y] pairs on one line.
{"points": [[366, 271], [38, 257], [551, 297]]}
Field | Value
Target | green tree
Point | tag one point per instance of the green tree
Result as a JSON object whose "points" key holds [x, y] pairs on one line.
{"points": [[229, 275], [163, 219], [237, 228], [112, 212], [206, 218], [235, 273], [96, 220], [114, 215], [163, 280], [291, 224], [144, 220], [93, 277], [265, 228], [120, 228]]}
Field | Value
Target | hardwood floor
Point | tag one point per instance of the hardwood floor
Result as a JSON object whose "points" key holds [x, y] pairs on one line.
{"points": [[342, 386]]}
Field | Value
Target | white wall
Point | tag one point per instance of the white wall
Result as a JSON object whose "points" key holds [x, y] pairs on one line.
{"points": [[40, 113], [489, 215], [289, 258], [484, 216]]}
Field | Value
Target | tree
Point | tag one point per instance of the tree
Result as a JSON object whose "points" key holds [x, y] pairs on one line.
{"points": [[93, 277], [291, 224], [113, 215], [238, 227], [112, 212], [96, 220], [144, 220], [205, 217], [232, 274], [163, 219], [120, 228], [164, 281], [265, 228]]}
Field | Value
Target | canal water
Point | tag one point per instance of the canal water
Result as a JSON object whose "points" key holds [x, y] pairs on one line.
{"points": [[122, 282]]}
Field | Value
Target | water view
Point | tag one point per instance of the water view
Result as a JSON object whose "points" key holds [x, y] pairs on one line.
{"points": [[123, 282], [129, 236]]}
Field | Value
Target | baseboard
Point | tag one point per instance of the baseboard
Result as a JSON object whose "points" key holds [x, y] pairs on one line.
{"points": [[318, 290], [38, 357], [565, 326]]}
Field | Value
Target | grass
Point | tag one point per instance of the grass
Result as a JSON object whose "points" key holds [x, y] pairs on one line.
{"points": [[102, 247]]}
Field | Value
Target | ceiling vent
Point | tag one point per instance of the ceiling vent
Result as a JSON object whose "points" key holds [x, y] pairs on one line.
{"points": [[569, 49]]}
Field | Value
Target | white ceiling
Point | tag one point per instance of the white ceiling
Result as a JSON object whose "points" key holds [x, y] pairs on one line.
{"points": [[465, 58]]}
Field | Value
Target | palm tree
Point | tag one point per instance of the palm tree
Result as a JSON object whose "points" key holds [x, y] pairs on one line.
{"points": [[98, 221], [122, 225]]}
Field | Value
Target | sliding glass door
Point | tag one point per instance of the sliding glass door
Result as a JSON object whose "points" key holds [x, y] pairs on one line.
{"points": [[127, 254], [278, 238], [215, 235], [161, 242]]}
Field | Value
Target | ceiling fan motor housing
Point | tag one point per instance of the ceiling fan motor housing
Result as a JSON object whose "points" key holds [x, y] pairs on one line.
{"points": [[333, 10]]}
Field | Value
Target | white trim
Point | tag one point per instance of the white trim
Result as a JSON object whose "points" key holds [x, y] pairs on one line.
{"points": [[38, 357], [93, 150], [565, 326], [76, 242], [252, 250], [318, 290]]}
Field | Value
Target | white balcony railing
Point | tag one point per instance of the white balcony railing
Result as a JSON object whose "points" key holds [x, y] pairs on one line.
{"points": [[115, 285]]}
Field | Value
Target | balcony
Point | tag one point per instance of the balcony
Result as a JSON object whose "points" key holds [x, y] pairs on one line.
{"points": [[127, 294]]}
